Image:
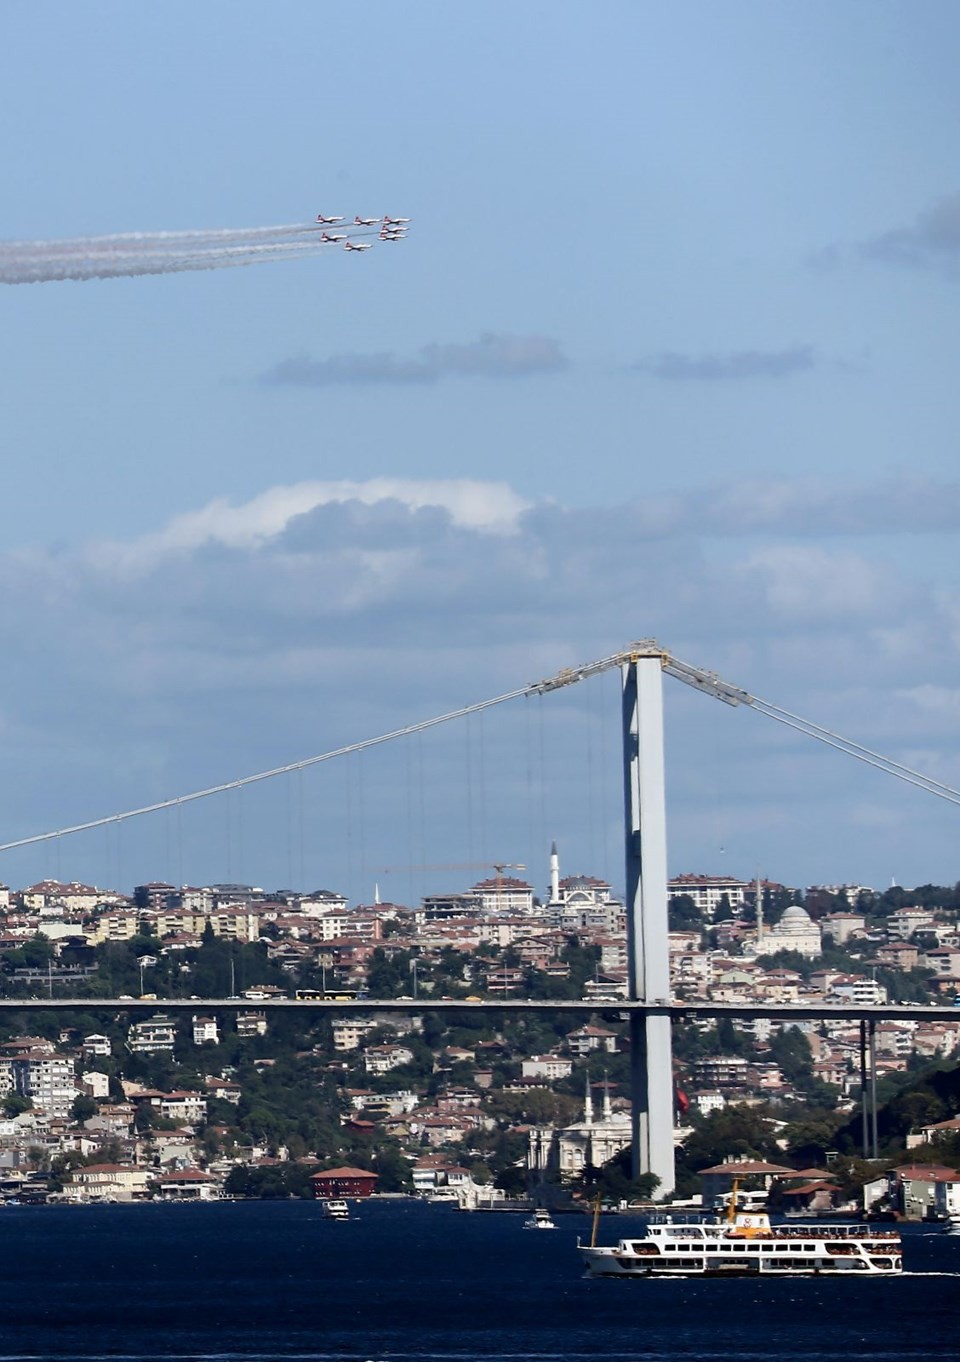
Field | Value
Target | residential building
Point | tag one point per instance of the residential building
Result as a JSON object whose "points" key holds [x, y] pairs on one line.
{"points": [[155, 1035], [108, 1182], [381, 1059], [587, 1039], [96, 1047], [504, 894], [205, 1031], [549, 1067], [46, 1079], [709, 891], [349, 1032]]}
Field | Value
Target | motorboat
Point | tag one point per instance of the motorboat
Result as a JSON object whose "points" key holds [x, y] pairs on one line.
{"points": [[336, 1210], [540, 1220]]}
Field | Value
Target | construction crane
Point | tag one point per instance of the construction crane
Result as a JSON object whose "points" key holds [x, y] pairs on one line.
{"points": [[498, 866]]}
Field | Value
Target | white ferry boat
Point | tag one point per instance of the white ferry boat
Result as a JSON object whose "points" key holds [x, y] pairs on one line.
{"points": [[746, 1244]]}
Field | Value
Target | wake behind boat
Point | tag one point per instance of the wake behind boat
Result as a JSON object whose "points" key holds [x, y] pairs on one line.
{"points": [[745, 1244]]}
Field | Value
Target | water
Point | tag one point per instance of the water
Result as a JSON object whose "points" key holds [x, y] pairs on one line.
{"points": [[273, 1280]]}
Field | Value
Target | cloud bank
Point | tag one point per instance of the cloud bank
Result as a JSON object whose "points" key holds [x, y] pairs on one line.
{"points": [[492, 356], [244, 634], [736, 366], [931, 242]]}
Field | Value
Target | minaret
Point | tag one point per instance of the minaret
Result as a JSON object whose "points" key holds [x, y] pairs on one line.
{"points": [[607, 1113], [759, 911], [554, 874], [376, 893], [588, 1105]]}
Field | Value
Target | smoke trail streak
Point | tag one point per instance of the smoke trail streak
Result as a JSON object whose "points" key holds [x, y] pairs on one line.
{"points": [[127, 254]]}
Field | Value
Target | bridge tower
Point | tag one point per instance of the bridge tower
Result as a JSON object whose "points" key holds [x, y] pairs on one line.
{"points": [[647, 939]]}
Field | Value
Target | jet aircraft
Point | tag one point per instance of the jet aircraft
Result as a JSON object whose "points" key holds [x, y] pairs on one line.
{"points": [[327, 222], [349, 245]]}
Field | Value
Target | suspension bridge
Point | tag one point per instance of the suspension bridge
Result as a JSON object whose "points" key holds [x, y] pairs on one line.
{"points": [[648, 1006]]}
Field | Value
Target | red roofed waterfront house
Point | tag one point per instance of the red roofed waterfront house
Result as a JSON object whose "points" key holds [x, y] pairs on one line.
{"points": [[336, 1183], [187, 1184], [750, 1174]]}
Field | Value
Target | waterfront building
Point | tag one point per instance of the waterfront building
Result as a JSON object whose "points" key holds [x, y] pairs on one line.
{"points": [[108, 1182], [336, 1183]]}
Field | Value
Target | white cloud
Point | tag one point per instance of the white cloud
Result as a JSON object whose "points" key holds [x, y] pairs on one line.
{"points": [[487, 507], [800, 581]]}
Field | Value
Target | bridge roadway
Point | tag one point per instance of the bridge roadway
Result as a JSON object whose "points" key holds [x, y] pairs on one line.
{"points": [[677, 1011]]}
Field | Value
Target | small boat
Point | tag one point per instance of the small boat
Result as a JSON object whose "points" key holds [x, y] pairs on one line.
{"points": [[336, 1210], [952, 1223], [540, 1220]]}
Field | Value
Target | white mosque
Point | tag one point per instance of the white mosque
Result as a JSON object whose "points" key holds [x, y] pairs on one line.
{"points": [[796, 931], [590, 1141]]}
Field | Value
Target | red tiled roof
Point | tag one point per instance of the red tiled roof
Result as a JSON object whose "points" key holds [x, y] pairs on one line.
{"points": [[340, 1173]]}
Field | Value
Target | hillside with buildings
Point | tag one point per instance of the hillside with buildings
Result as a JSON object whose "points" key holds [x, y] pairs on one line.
{"points": [[251, 1101]]}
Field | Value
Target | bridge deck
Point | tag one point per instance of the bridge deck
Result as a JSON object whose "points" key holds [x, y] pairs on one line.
{"points": [[677, 1011]]}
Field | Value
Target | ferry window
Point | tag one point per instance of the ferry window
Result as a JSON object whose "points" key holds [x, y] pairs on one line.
{"points": [[809, 1248], [767, 1248], [739, 1248], [726, 1248], [710, 1248]]}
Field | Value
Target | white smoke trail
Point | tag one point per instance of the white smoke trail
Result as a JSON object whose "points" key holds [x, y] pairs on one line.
{"points": [[135, 253]]}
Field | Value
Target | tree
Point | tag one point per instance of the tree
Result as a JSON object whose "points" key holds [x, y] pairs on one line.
{"points": [[723, 912], [614, 1180], [683, 914], [83, 1108], [791, 1052]]}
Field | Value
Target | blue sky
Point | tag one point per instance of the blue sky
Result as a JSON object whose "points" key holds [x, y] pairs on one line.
{"points": [[670, 350]]}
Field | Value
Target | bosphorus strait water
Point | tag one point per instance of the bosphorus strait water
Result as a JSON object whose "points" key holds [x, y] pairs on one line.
{"points": [[403, 1281]]}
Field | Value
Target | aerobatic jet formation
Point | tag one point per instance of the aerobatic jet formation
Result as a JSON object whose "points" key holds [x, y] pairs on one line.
{"points": [[385, 229]]}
